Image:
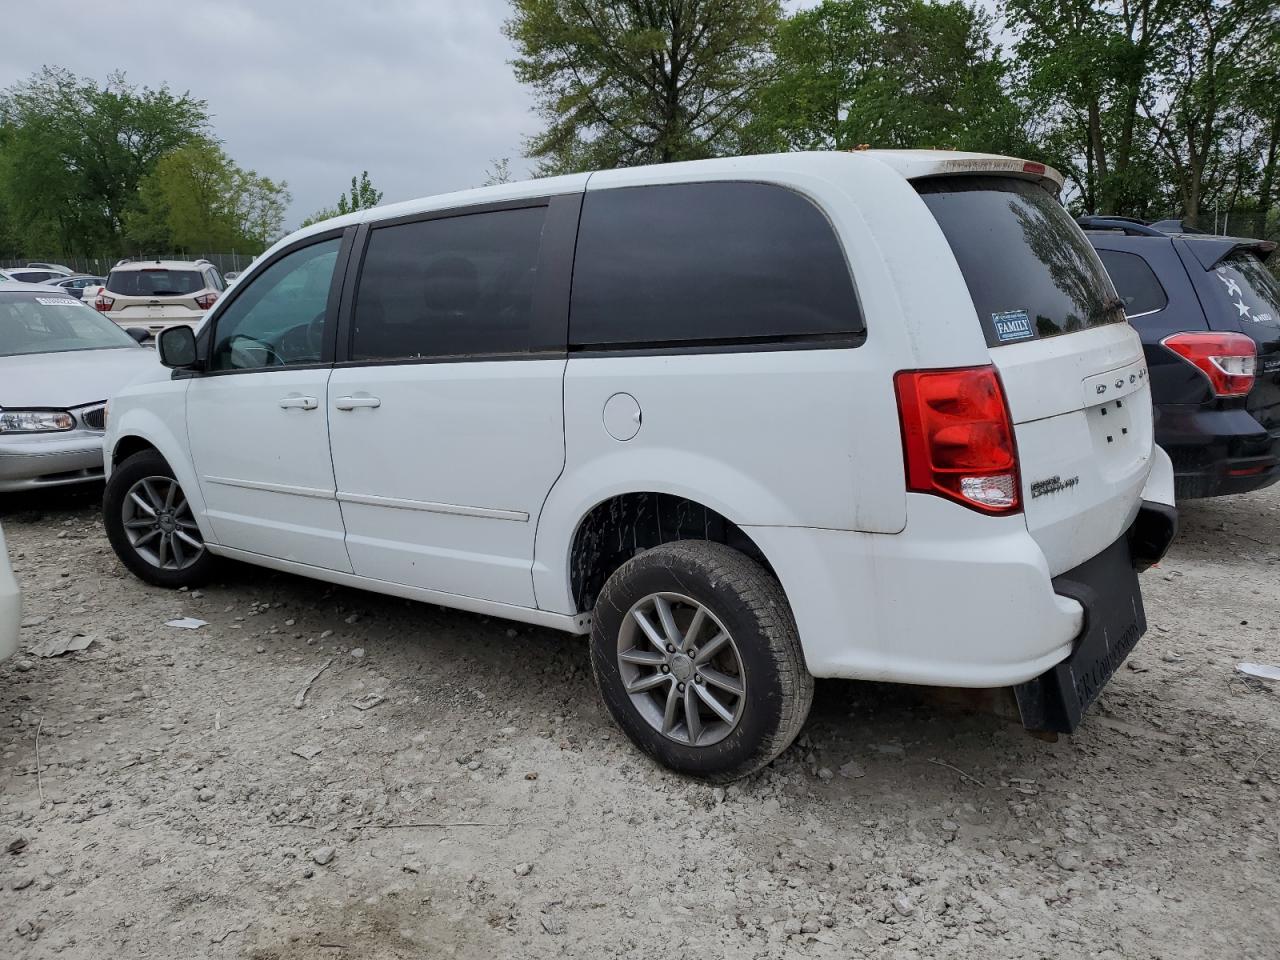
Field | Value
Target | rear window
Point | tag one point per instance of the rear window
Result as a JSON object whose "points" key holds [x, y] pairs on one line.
{"points": [[1030, 270], [1135, 281], [706, 263], [1250, 293], [155, 282]]}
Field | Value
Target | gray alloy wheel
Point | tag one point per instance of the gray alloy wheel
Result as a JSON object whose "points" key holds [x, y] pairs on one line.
{"points": [[682, 669], [158, 522]]}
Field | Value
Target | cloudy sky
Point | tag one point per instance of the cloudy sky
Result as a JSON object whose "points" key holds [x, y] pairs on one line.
{"points": [[311, 91]]}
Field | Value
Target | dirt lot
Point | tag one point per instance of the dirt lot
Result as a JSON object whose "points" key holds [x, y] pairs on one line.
{"points": [[485, 807]]}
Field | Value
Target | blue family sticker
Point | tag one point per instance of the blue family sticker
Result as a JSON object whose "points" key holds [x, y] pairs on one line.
{"points": [[1012, 325]]}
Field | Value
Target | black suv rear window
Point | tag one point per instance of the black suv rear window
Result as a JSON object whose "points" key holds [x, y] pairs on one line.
{"points": [[156, 282], [1250, 293], [1135, 281], [1030, 270]]}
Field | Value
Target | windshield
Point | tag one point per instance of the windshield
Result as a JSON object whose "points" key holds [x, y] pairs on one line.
{"points": [[1248, 290], [1031, 272], [55, 324], [155, 282]]}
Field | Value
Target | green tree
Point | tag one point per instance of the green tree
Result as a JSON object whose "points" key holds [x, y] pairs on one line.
{"points": [[889, 73], [625, 82], [362, 196], [73, 154], [197, 199]]}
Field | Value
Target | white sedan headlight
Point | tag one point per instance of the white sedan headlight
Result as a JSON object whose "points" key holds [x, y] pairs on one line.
{"points": [[35, 421]]}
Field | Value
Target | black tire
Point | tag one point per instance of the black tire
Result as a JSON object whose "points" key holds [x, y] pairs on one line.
{"points": [[753, 609], [145, 464]]}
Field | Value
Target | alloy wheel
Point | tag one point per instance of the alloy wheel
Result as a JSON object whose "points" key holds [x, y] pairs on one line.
{"points": [[159, 524], [682, 669]]}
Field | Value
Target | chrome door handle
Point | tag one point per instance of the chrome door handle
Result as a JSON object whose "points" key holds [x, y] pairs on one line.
{"points": [[299, 403], [351, 403]]}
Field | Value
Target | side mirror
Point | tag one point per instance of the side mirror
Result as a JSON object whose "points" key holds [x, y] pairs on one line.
{"points": [[141, 334], [177, 347]]}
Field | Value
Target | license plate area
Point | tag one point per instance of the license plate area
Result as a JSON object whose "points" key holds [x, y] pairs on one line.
{"points": [[1114, 620]]}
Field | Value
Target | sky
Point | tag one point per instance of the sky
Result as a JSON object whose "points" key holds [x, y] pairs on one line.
{"points": [[311, 91], [418, 92]]}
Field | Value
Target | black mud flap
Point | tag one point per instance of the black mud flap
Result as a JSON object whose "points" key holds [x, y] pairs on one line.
{"points": [[1114, 620]]}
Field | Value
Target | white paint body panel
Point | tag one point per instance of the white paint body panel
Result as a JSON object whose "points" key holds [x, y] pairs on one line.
{"points": [[10, 605], [265, 471], [442, 483], [466, 483]]}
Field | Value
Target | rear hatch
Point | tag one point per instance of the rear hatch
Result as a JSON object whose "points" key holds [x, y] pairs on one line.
{"points": [[1073, 370], [154, 293], [1239, 294]]}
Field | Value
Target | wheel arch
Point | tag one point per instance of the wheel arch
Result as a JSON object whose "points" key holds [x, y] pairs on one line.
{"points": [[142, 429], [617, 527]]}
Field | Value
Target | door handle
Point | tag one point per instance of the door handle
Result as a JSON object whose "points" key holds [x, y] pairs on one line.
{"points": [[299, 403], [351, 403]]}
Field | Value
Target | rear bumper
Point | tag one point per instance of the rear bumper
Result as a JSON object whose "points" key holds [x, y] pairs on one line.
{"points": [[30, 463], [1217, 452], [155, 325]]}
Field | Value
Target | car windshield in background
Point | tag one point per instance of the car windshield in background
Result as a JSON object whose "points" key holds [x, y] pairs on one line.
{"points": [[54, 324], [155, 283], [1250, 292], [1031, 272]]}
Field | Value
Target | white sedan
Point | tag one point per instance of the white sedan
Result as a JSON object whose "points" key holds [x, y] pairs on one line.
{"points": [[60, 361], [10, 605]]}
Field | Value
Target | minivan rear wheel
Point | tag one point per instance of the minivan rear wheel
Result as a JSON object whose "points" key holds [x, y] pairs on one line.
{"points": [[696, 655], [150, 524]]}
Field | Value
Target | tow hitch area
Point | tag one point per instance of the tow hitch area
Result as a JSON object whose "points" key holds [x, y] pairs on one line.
{"points": [[1114, 620]]}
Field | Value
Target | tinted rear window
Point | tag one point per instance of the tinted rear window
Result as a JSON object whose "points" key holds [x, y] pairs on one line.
{"points": [[1249, 291], [707, 262], [1030, 270], [155, 282], [453, 286], [1135, 282]]}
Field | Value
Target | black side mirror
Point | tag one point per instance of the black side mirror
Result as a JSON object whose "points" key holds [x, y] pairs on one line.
{"points": [[177, 347], [141, 334]]}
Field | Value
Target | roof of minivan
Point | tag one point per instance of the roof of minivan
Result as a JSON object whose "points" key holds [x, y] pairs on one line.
{"points": [[909, 164]]}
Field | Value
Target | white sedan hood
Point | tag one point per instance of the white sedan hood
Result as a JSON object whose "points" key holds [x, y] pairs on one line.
{"points": [[73, 378]]}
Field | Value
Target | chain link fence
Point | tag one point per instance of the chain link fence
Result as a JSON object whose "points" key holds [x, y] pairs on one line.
{"points": [[100, 266]]}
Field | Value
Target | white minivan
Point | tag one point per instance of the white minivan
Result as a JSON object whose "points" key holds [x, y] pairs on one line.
{"points": [[746, 422]]}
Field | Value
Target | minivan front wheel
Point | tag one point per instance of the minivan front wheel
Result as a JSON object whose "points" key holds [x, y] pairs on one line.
{"points": [[150, 524], [697, 658]]}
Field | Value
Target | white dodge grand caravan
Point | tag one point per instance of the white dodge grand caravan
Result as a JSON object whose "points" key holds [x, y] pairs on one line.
{"points": [[747, 422]]}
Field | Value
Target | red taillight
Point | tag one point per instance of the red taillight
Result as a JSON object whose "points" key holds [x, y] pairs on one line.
{"points": [[1031, 166], [206, 300], [1229, 360], [957, 437], [102, 303]]}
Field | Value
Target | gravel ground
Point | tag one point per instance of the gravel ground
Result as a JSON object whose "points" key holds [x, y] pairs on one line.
{"points": [[449, 786]]}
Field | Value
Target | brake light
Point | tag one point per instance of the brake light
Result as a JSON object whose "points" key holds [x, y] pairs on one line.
{"points": [[1229, 360], [957, 437], [206, 300], [102, 303], [1031, 166]]}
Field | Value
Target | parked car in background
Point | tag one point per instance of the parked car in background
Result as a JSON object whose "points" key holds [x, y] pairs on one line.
{"points": [[78, 284], [59, 363], [1208, 311], [746, 421], [37, 274], [10, 604], [57, 267], [158, 294]]}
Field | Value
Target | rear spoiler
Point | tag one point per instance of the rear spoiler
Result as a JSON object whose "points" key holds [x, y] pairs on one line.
{"points": [[1211, 251]]}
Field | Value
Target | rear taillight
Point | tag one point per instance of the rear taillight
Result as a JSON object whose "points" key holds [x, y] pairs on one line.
{"points": [[1229, 360], [957, 437], [206, 300], [103, 303]]}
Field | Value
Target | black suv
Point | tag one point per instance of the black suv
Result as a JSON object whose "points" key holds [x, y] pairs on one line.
{"points": [[1208, 311]]}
